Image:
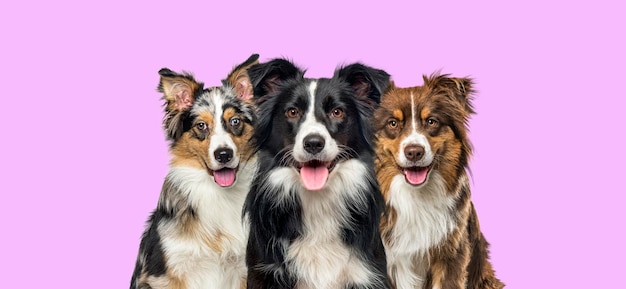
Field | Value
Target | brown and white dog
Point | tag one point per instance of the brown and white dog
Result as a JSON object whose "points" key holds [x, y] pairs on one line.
{"points": [[430, 231], [195, 237]]}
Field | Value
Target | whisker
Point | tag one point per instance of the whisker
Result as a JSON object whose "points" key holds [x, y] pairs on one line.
{"points": [[346, 152], [286, 156], [437, 159]]}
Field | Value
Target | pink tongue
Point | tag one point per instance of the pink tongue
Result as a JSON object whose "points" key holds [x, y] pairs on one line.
{"points": [[415, 176], [224, 177], [314, 178]]}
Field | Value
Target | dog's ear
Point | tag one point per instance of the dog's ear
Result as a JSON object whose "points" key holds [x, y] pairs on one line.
{"points": [[459, 94], [239, 80], [179, 92], [459, 89], [267, 77], [368, 83]]}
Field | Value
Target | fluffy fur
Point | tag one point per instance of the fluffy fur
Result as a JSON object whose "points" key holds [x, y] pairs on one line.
{"points": [[431, 232], [315, 205], [195, 237]]}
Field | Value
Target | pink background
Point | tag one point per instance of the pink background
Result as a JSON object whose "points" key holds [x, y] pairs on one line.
{"points": [[83, 155]]}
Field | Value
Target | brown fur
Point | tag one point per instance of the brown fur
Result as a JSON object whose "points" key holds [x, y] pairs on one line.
{"points": [[461, 259]]}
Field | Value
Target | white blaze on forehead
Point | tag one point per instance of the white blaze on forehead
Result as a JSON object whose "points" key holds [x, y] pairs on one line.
{"points": [[413, 117], [415, 138], [311, 125], [220, 138]]}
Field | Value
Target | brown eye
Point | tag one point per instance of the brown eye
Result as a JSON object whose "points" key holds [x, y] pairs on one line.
{"points": [[336, 113], [432, 122], [392, 123], [235, 122], [292, 113], [201, 125]]}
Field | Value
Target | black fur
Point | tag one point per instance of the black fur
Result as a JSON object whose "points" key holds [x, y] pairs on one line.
{"points": [[279, 85]]}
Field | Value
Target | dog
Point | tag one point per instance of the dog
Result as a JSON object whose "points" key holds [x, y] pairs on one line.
{"points": [[195, 237], [315, 205], [430, 231]]}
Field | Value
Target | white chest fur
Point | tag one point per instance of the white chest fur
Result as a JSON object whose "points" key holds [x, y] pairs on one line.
{"points": [[213, 254], [424, 220], [319, 257]]}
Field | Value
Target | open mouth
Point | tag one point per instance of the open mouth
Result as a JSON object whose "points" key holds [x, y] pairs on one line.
{"points": [[225, 177], [416, 175], [314, 174]]}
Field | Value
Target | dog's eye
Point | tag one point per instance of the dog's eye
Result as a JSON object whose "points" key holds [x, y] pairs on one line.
{"points": [[201, 125], [392, 123], [432, 122], [292, 113], [235, 122], [337, 113]]}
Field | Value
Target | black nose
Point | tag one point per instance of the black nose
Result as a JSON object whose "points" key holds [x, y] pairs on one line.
{"points": [[414, 152], [223, 155], [314, 143]]}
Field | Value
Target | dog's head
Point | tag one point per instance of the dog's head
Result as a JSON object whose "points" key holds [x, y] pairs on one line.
{"points": [[209, 128], [314, 124], [424, 128]]}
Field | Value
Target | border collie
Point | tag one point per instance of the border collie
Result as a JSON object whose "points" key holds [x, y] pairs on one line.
{"points": [[315, 205], [431, 232], [195, 237]]}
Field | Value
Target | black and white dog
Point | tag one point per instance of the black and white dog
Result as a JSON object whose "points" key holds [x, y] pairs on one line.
{"points": [[315, 205]]}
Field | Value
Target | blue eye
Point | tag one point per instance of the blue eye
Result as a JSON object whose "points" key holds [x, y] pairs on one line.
{"points": [[235, 122]]}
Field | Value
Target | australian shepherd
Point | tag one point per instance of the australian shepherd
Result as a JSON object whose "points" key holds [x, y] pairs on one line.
{"points": [[430, 231], [195, 238], [315, 205]]}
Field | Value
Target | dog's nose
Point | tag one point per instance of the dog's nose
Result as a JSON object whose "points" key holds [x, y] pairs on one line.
{"points": [[314, 143], [223, 155], [414, 152]]}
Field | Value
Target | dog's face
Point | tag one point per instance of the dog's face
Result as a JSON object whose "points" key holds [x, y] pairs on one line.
{"points": [[313, 124], [209, 128], [424, 129]]}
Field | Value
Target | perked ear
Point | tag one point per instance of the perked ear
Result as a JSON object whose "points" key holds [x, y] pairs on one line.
{"points": [[461, 89], [368, 83], [179, 92], [267, 77], [239, 80]]}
